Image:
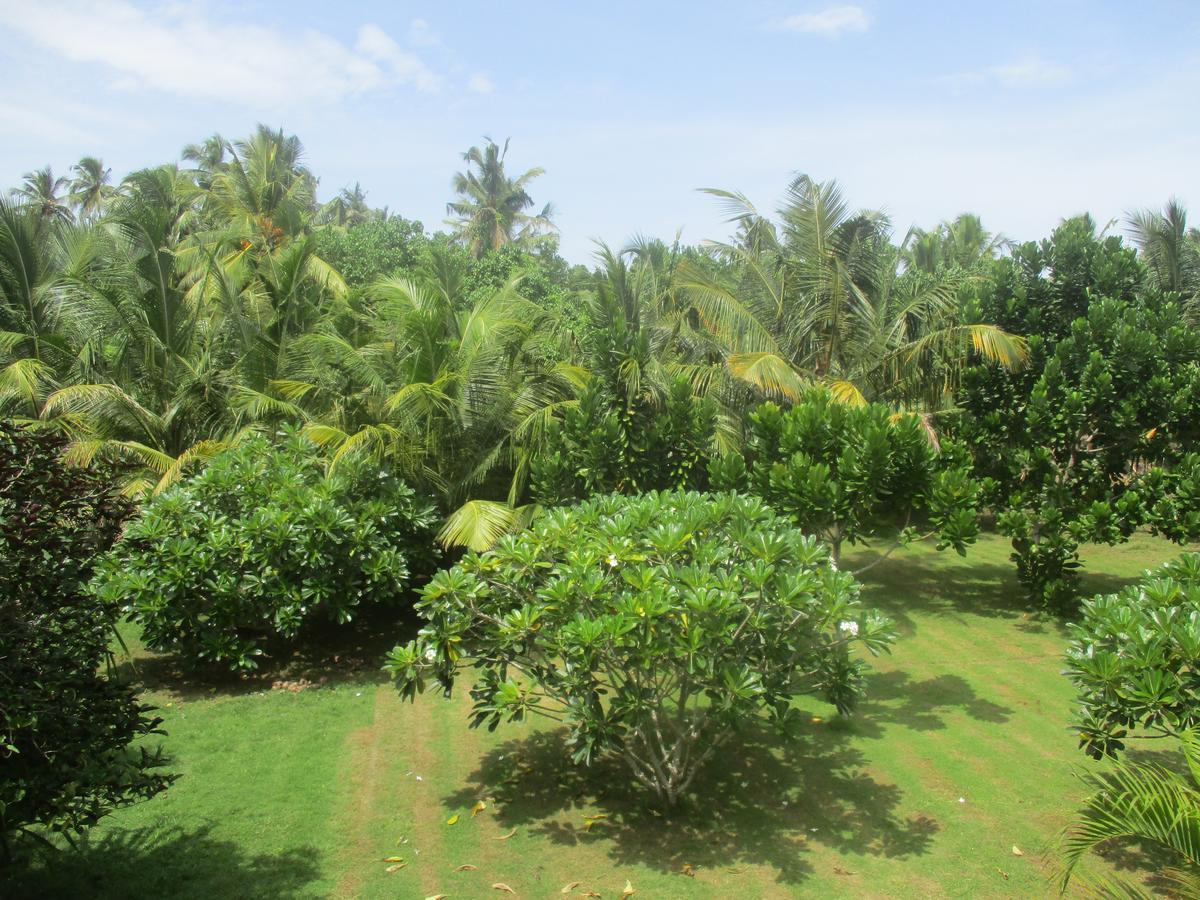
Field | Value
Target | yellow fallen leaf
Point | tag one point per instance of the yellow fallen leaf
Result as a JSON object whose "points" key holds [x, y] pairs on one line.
{"points": [[437, 897], [597, 817], [396, 868], [479, 807], [570, 887], [505, 837], [816, 720], [590, 894], [629, 890], [1149, 434], [689, 870], [465, 867], [1017, 851], [393, 859], [453, 820], [501, 886]]}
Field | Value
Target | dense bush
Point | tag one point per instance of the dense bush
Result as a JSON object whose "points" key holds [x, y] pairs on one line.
{"points": [[261, 544], [371, 250], [65, 728], [604, 446], [1097, 442], [1135, 658], [846, 472], [651, 626]]}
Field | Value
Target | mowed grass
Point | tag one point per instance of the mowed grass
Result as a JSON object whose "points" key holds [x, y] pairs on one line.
{"points": [[960, 756]]}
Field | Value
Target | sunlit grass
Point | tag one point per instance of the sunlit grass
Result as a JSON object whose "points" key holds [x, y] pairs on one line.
{"points": [[960, 755]]}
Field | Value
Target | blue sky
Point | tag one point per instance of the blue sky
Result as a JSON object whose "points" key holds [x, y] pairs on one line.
{"points": [[1023, 112]]}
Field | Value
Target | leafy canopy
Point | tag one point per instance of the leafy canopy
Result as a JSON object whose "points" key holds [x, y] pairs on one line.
{"points": [[66, 729], [1135, 657], [847, 473], [262, 544], [651, 626]]}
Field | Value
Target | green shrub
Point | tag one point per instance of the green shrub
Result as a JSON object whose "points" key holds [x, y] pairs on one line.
{"points": [[651, 626], [261, 544], [604, 446], [846, 473], [1135, 658], [65, 728]]}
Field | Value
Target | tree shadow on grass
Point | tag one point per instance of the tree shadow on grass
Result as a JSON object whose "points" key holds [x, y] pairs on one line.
{"points": [[761, 800], [151, 862], [941, 584], [933, 586], [324, 654], [894, 698]]}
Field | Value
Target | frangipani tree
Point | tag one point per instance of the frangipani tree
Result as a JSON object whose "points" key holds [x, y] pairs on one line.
{"points": [[650, 626]]}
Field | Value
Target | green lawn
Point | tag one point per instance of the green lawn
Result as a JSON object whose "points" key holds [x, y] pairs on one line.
{"points": [[960, 755]]}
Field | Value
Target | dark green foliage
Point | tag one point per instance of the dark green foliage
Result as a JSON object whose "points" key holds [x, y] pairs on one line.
{"points": [[372, 250], [1045, 286], [1095, 441], [261, 544], [65, 728], [847, 472], [601, 447], [652, 626], [1135, 658]]}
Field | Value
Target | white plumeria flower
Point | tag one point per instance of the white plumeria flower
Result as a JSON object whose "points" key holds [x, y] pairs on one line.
{"points": [[612, 560], [850, 628], [430, 655]]}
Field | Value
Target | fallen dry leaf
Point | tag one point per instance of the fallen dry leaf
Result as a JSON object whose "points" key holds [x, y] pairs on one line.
{"points": [[393, 859], [396, 868], [629, 890], [505, 837], [689, 870], [501, 886], [838, 870], [1017, 851], [453, 820], [590, 894], [570, 887], [437, 897], [1002, 872], [479, 807], [465, 867]]}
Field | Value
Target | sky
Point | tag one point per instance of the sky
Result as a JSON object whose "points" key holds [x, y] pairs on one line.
{"points": [[1022, 112]]}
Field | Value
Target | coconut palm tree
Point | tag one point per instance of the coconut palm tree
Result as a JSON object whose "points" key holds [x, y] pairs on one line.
{"points": [[492, 211], [822, 296], [90, 188], [1170, 249], [1148, 803], [151, 382], [208, 157], [963, 243], [263, 193], [348, 208], [42, 191], [31, 350]]}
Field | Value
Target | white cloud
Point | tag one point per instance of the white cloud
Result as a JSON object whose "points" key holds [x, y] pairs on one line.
{"points": [[1022, 72], [176, 49], [1029, 72], [420, 34], [829, 22], [479, 83]]}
